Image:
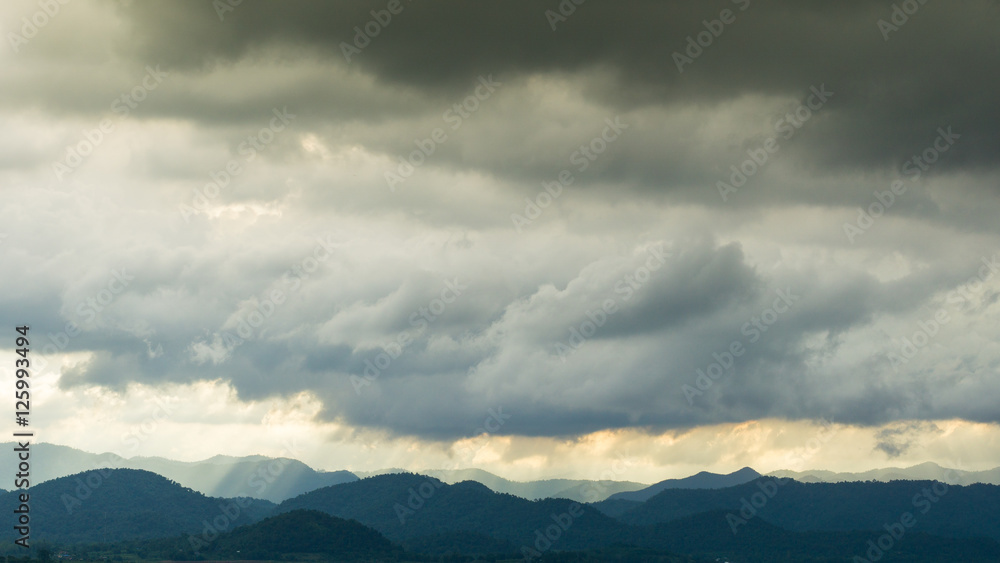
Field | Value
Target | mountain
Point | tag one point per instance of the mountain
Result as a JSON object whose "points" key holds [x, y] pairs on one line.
{"points": [[303, 532], [710, 534], [411, 508], [767, 520], [273, 479], [580, 490], [615, 507], [109, 505], [703, 480], [798, 522], [939, 509], [300, 535], [923, 472]]}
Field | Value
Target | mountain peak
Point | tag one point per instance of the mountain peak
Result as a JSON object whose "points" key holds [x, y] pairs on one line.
{"points": [[701, 480], [926, 465]]}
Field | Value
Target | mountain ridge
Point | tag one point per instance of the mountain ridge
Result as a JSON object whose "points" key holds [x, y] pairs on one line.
{"points": [[700, 480], [580, 490], [927, 470]]}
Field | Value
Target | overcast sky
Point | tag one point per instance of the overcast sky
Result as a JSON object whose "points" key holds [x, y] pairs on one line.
{"points": [[695, 236]]}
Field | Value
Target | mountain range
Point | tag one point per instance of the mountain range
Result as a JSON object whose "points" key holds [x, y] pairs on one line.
{"points": [[411, 517], [279, 479], [272, 479], [108, 505], [924, 471], [581, 490], [703, 480]]}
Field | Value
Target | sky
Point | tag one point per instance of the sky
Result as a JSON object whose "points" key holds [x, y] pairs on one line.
{"points": [[629, 240]]}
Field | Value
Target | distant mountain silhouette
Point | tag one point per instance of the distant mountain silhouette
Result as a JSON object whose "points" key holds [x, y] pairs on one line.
{"points": [[703, 480], [580, 490], [273, 479], [117, 504], [924, 472]]}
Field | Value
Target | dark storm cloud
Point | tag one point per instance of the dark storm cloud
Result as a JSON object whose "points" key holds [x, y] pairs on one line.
{"points": [[429, 389], [899, 439], [831, 307], [890, 94], [632, 379]]}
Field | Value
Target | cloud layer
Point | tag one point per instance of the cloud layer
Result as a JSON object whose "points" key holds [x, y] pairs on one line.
{"points": [[598, 227]]}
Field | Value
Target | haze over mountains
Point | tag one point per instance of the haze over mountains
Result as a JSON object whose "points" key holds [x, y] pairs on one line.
{"points": [[703, 480], [278, 479], [273, 479], [924, 471], [581, 490]]}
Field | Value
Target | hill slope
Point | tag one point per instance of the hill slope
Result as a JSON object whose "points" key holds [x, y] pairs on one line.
{"points": [[408, 507], [580, 490], [710, 534], [302, 532], [922, 472], [939, 509], [112, 505], [703, 480]]}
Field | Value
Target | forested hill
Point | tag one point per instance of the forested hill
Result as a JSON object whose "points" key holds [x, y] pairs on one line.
{"points": [[106, 505]]}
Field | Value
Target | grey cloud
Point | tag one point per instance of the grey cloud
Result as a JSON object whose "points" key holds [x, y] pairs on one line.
{"points": [[199, 277], [898, 440], [883, 109]]}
